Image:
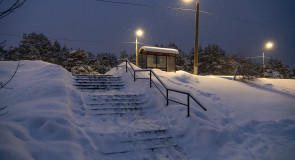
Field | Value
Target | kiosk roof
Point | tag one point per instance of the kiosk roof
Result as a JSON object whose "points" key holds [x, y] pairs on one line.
{"points": [[158, 50]]}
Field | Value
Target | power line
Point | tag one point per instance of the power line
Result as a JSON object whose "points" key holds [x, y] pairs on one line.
{"points": [[10, 35], [75, 40], [254, 57], [192, 10], [145, 5]]}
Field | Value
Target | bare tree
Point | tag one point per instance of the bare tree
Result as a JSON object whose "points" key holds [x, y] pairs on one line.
{"points": [[2, 45], [3, 111], [12, 8], [3, 85]]}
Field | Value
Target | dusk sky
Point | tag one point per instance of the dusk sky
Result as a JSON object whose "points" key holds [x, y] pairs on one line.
{"points": [[237, 26]]}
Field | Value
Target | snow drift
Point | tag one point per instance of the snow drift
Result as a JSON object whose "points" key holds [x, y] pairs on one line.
{"points": [[46, 114], [40, 122]]}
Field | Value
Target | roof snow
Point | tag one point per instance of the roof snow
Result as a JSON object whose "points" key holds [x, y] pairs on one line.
{"points": [[159, 50]]}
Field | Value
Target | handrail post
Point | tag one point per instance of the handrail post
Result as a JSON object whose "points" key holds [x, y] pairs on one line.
{"points": [[188, 106], [167, 97], [126, 66], [150, 79]]}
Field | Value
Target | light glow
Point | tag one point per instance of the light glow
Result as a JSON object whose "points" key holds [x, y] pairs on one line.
{"points": [[268, 45], [187, 1], [139, 32]]}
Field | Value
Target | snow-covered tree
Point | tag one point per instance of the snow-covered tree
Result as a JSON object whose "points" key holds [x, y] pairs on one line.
{"points": [[33, 47], [191, 58], [246, 68], [211, 60], [123, 54], [106, 61], [181, 58], [292, 74], [3, 52], [276, 69]]}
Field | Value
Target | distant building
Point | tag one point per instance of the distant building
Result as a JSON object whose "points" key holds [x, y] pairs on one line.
{"points": [[155, 57]]}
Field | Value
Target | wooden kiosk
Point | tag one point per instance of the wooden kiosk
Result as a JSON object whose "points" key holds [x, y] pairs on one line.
{"points": [[155, 57]]}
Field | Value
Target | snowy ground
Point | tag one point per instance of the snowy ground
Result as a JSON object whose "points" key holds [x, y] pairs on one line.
{"points": [[46, 115]]}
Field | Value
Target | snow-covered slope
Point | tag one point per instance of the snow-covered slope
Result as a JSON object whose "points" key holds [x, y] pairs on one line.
{"points": [[42, 107], [46, 115], [243, 121]]}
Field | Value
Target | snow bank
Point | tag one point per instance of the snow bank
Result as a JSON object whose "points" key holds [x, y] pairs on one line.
{"points": [[46, 115], [41, 105], [243, 121]]}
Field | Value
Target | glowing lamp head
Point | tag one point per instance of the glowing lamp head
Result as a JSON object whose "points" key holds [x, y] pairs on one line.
{"points": [[139, 32], [187, 1], [268, 45]]}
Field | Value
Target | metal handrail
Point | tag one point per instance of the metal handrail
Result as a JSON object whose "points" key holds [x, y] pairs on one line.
{"points": [[163, 84]]}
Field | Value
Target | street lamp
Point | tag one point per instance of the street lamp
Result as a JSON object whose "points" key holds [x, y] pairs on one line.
{"points": [[187, 1], [196, 36], [268, 45], [139, 33]]}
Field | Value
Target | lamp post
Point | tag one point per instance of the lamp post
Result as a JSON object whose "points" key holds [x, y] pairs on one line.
{"points": [[196, 40], [196, 36], [139, 33], [268, 45]]}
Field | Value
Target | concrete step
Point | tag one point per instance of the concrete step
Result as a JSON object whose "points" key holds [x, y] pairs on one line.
{"points": [[97, 78], [134, 104], [114, 100], [156, 143], [116, 95], [100, 83], [116, 109], [97, 82]]}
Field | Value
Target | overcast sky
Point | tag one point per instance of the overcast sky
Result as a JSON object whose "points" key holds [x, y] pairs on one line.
{"points": [[237, 26]]}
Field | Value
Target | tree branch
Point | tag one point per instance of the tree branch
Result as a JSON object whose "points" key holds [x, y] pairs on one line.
{"points": [[16, 5], [18, 65], [2, 44], [2, 108], [3, 113]]}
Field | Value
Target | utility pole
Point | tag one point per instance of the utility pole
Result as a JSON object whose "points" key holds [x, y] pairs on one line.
{"points": [[136, 58], [263, 66], [196, 40], [139, 33]]}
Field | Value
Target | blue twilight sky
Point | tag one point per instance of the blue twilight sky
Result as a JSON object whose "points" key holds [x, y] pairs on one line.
{"points": [[237, 26]]}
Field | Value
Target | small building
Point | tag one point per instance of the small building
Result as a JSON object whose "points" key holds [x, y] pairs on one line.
{"points": [[155, 57]]}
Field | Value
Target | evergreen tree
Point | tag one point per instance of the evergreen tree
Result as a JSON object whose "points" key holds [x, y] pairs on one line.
{"points": [[113, 60], [181, 58], [212, 60], [123, 54], [246, 68], [34, 47], [292, 74], [3, 52], [276, 69], [191, 59]]}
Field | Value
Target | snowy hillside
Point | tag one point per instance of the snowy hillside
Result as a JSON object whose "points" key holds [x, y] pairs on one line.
{"points": [[48, 117]]}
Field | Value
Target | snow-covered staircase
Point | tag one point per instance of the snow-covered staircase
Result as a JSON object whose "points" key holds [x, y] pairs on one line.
{"points": [[98, 82], [123, 131], [114, 104]]}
